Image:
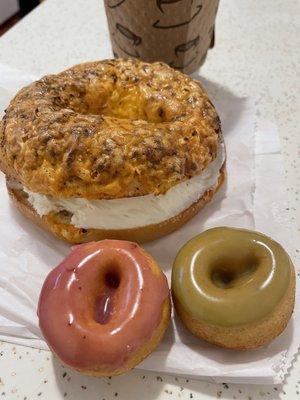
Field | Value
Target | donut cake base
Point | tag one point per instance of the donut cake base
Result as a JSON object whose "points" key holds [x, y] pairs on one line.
{"points": [[246, 336], [143, 353], [58, 224]]}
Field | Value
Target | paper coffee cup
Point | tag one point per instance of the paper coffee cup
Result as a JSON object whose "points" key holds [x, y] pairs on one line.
{"points": [[178, 32]]}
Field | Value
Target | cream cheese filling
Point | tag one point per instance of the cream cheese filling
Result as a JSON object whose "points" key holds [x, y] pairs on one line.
{"points": [[132, 212]]}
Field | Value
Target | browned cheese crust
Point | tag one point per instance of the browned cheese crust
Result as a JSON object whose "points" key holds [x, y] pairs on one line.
{"points": [[108, 129], [59, 224]]}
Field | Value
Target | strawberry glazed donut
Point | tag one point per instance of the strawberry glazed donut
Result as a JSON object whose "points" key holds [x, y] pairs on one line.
{"points": [[105, 307]]}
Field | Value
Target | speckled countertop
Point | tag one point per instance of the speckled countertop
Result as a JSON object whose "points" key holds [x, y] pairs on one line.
{"points": [[256, 54]]}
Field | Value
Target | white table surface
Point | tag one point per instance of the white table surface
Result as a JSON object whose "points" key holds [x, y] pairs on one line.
{"points": [[256, 54]]}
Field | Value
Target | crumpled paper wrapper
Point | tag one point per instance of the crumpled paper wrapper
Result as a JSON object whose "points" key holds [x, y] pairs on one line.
{"points": [[174, 31], [28, 253]]}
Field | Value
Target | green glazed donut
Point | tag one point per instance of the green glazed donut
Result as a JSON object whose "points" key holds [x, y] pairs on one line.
{"points": [[233, 287]]}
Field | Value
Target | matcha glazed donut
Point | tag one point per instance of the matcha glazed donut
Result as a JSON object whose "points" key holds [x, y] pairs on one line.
{"points": [[233, 287]]}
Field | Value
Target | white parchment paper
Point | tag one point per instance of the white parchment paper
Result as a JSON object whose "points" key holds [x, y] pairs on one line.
{"points": [[28, 253]]}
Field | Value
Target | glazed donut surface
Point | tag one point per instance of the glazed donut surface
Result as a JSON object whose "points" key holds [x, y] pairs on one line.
{"points": [[105, 307], [230, 278]]}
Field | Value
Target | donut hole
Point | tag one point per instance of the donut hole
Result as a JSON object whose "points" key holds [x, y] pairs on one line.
{"points": [[112, 279], [222, 278], [104, 303], [230, 272]]}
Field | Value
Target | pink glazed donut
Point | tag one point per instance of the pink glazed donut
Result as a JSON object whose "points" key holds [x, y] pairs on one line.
{"points": [[105, 307]]}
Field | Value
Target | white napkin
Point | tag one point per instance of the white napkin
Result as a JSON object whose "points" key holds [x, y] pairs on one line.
{"points": [[252, 198]]}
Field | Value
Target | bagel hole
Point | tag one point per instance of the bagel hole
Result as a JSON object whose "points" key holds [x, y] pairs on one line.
{"points": [[126, 102], [232, 273]]}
